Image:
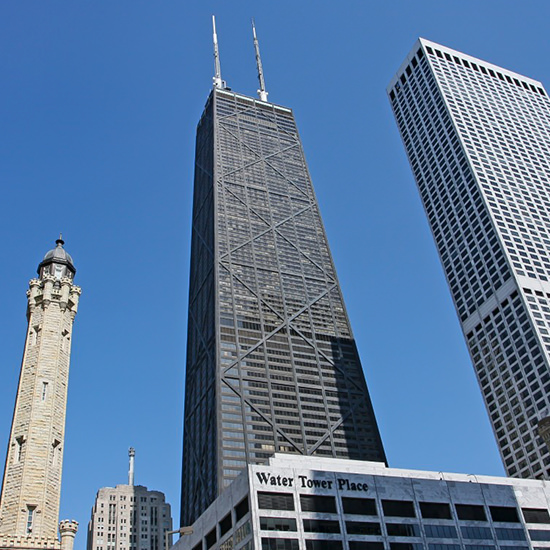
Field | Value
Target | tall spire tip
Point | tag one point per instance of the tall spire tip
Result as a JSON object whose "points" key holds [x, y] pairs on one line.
{"points": [[218, 82], [262, 93]]}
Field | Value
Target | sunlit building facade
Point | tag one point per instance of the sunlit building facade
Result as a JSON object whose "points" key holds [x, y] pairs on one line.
{"points": [[478, 141], [312, 503]]}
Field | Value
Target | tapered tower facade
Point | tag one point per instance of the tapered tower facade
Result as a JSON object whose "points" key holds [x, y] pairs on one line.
{"points": [[272, 364], [478, 141], [29, 505]]}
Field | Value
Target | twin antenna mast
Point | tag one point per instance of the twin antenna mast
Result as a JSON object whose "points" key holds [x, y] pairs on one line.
{"points": [[218, 82], [262, 94]]}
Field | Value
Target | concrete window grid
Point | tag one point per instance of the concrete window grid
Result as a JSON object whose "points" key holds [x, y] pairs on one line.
{"points": [[510, 163], [451, 198], [495, 148], [420, 530], [233, 536], [127, 517], [503, 382], [505, 146]]}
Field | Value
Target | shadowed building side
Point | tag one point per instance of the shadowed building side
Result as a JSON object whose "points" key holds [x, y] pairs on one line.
{"points": [[271, 360]]}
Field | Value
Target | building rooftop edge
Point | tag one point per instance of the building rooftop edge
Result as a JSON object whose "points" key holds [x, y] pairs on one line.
{"points": [[125, 485], [290, 463], [477, 60], [379, 468], [252, 99]]}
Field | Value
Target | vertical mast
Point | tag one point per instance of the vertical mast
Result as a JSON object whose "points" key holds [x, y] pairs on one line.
{"points": [[218, 82], [131, 455], [262, 91]]}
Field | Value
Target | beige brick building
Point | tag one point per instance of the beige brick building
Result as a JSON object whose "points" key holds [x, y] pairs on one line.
{"points": [[129, 517], [29, 503]]}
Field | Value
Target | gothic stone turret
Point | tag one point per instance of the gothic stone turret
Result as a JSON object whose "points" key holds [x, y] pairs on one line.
{"points": [[29, 504]]}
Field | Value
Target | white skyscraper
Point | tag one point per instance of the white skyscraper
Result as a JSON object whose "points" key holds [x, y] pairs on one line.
{"points": [[478, 141]]}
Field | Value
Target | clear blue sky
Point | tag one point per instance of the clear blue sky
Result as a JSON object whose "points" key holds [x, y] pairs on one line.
{"points": [[99, 101]]}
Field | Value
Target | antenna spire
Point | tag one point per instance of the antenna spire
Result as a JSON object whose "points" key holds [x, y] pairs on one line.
{"points": [[131, 455], [262, 91], [218, 82]]}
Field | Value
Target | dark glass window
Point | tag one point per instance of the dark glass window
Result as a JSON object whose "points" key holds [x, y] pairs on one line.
{"points": [[398, 508], [321, 526], [363, 528], [470, 512], [406, 546], [210, 538], [539, 534], [536, 515], [441, 546], [198, 546], [275, 501], [225, 525], [280, 544], [403, 529], [504, 513], [278, 524], [506, 533], [317, 503], [435, 510], [359, 506], [241, 509], [323, 545], [365, 545], [440, 531], [476, 533]]}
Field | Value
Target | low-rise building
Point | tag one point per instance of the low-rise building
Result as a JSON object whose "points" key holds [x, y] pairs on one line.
{"points": [[311, 503]]}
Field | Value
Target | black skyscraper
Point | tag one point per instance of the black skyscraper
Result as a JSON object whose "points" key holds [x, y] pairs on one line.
{"points": [[271, 361]]}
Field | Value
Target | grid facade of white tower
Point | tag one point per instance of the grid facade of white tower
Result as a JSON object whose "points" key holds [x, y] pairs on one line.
{"points": [[128, 517], [478, 141]]}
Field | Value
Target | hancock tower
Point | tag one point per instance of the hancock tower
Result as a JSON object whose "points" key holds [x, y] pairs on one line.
{"points": [[478, 141], [29, 505], [272, 365]]}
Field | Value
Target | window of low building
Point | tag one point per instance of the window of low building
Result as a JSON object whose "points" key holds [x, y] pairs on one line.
{"points": [[398, 508], [359, 506], [276, 501], [278, 524], [321, 526], [435, 510], [470, 512], [536, 515], [317, 503]]}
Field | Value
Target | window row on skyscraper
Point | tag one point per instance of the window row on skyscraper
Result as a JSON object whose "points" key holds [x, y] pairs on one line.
{"points": [[469, 64]]}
